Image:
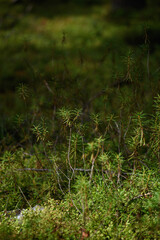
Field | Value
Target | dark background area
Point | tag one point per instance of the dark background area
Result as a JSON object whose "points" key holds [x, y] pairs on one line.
{"points": [[80, 49]]}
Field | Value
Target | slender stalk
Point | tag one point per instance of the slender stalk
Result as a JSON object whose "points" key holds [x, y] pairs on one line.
{"points": [[24, 196]]}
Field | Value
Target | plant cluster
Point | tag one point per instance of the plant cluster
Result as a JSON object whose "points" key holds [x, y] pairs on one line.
{"points": [[105, 182]]}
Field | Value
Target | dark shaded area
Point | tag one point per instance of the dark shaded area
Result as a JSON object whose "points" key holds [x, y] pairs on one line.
{"points": [[137, 38], [124, 4], [83, 68]]}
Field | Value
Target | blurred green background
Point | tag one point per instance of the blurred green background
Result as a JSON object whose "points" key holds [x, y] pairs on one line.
{"points": [[79, 49]]}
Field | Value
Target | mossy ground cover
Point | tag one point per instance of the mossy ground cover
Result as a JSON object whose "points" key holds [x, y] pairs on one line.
{"points": [[79, 121]]}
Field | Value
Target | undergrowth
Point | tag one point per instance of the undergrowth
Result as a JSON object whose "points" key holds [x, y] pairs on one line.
{"points": [[102, 185]]}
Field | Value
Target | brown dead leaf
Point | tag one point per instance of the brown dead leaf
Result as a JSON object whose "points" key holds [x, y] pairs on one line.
{"points": [[85, 234]]}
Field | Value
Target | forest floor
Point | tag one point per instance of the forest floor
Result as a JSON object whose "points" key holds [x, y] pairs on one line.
{"points": [[80, 121]]}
